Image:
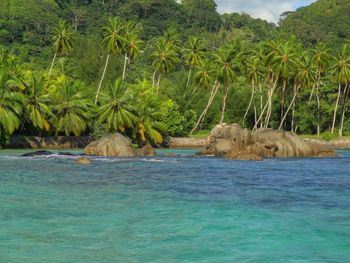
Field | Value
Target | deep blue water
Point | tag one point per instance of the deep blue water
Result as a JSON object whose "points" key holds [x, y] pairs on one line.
{"points": [[182, 209]]}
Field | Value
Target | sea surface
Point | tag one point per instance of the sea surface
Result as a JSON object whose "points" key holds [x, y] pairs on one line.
{"points": [[174, 209]]}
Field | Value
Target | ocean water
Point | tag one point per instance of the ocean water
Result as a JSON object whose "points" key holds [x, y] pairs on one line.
{"points": [[179, 209]]}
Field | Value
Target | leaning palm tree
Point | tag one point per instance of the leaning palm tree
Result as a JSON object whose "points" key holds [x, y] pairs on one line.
{"points": [[71, 108], [341, 73], [131, 46], [193, 55], [164, 60], [115, 110], [204, 78], [114, 39], [63, 39], [36, 101], [226, 63]]}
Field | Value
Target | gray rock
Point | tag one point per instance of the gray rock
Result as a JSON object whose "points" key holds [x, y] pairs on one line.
{"points": [[37, 153], [113, 145], [233, 142], [83, 160]]}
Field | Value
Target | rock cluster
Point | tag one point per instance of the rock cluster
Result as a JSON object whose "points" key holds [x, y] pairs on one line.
{"points": [[116, 145], [233, 142]]}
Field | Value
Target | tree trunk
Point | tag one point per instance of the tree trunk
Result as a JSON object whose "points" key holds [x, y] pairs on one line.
{"points": [[336, 109], [250, 102], [154, 78], [290, 106], [261, 115], [270, 103], [318, 104], [224, 101], [210, 100], [102, 77], [312, 93], [158, 83], [261, 102], [189, 77], [283, 97], [346, 92], [125, 65], [52, 64]]}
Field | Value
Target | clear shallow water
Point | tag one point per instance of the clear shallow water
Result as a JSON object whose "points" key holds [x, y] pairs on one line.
{"points": [[183, 209]]}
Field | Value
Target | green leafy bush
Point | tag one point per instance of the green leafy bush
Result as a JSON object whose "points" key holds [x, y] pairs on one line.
{"points": [[327, 136]]}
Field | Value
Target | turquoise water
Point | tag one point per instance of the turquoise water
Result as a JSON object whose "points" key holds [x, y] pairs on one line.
{"points": [[182, 209]]}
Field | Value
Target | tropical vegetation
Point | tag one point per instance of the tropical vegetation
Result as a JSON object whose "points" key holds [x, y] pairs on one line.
{"points": [[154, 68]]}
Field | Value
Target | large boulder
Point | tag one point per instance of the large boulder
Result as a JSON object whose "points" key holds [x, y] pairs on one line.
{"points": [[115, 145], [233, 142]]}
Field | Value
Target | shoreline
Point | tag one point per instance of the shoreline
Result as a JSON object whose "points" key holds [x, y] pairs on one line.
{"points": [[71, 142]]}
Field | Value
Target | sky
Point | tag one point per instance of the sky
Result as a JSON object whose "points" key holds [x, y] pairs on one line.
{"points": [[269, 10]]}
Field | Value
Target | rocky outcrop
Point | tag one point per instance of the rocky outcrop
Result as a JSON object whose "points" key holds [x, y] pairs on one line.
{"points": [[82, 160], [233, 142], [116, 145], [37, 153], [182, 142], [112, 145]]}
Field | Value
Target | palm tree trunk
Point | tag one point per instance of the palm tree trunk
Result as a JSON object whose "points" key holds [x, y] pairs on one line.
{"points": [[158, 83], [270, 102], [290, 106], [52, 64], [293, 116], [210, 100], [250, 102], [346, 92], [261, 115], [283, 97], [312, 93], [125, 65], [318, 104], [102, 77], [189, 77], [154, 78], [224, 102], [336, 108], [261, 101]]}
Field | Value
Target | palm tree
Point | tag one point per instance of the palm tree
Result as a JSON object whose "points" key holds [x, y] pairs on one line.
{"points": [[149, 115], [10, 106], [254, 73], [115, 108], [114, 41], [63, 39], [72, 108], [225, 60], [36, 99], [341, 73], [204, 78], [320, 59], [193, 55], [282, 60], [131, 46], [304, 78], [164, 60]]}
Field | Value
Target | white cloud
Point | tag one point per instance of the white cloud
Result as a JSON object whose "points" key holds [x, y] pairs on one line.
{"points": [[266, 9]]}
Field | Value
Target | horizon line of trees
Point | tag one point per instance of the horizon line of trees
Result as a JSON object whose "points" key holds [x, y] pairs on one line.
{"points": [[280, 81]]}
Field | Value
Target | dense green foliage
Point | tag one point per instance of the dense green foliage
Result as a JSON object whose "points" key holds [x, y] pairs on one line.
{"points": [[151, 68], [323, 21]]}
